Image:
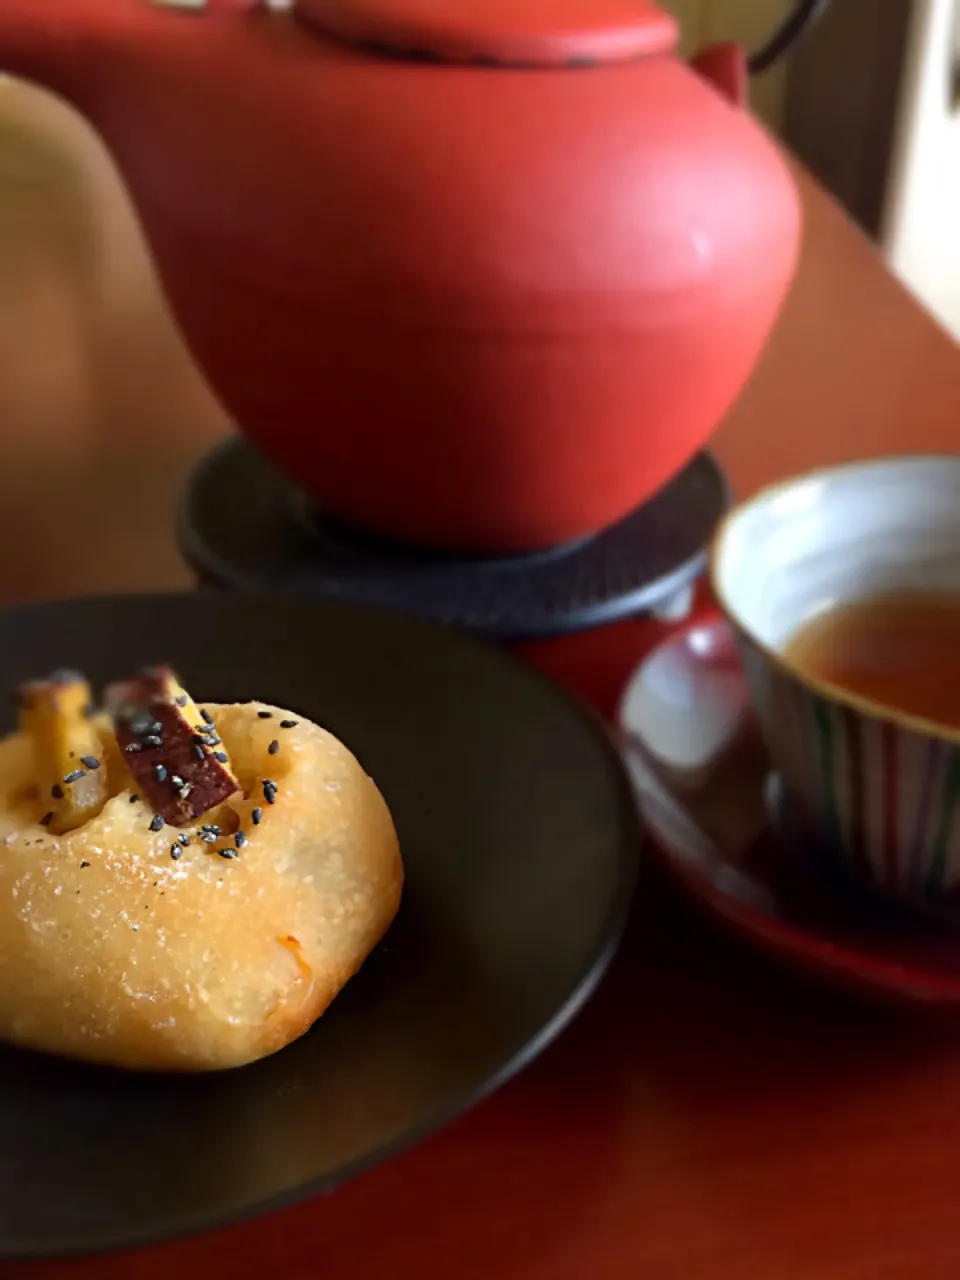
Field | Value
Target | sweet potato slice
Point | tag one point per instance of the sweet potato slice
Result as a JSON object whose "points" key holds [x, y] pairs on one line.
{"points": [[55, 715], [171, 747]]}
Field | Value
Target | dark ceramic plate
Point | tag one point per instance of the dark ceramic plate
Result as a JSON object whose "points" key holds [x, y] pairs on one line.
{"points": [[519, 837]]}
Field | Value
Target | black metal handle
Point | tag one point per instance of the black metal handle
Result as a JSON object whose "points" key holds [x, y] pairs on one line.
{"points": [[805, 14]]}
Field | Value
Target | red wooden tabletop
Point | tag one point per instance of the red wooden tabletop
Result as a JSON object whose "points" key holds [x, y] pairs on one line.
{"points": [[708, 1115]]}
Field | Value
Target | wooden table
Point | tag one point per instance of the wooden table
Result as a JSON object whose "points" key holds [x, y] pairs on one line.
{"points": [[708, 1115]]}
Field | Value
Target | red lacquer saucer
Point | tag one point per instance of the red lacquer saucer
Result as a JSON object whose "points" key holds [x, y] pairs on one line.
{"points": [[704, 786]]}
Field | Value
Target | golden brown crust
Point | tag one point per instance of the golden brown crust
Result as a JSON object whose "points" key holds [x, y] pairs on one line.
{"points": [[115, 950]]}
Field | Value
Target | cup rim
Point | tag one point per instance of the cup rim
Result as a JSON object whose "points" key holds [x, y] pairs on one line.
{"points": [[902, 720]]}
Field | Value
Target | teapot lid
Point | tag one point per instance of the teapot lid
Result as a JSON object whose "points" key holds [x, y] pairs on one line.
{"points": [[510, 33]]}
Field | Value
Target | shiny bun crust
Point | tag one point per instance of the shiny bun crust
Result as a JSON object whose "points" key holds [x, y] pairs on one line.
{"points": [[146, 946]]}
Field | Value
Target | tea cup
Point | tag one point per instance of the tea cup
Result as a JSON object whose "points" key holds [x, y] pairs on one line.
{"points": [[875, 790]]}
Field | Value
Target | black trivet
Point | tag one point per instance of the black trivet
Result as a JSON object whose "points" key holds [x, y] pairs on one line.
{"points": [[241, 525]]}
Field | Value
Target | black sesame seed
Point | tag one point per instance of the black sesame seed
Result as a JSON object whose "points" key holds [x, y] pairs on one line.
{"points": [[84, 863], [274, 747], [46, 819], [140, 722], [265, 715], [160, 772], [256, 816], [133, 746], [208, 837], [153, 740], [182, 700], [198, 751], [183, 838], [227, 853], [134, 799], [221, 756], [240, 839], [155, 727], [91, 762], [288, 724], [176, 780], [269, 791], [206, 716], [156, 823], [75, 776], [212, 826], [175, 851], [56, 791]]}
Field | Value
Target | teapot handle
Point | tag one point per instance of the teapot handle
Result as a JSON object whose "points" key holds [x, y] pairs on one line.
{"points": [[803, 15], [727, 67]]}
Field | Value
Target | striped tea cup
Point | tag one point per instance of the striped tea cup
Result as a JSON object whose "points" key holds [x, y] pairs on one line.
{"points": [[877, 789]]}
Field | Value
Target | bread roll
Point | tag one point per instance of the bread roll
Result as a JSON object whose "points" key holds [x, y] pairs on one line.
{"points": [[122, 945]]}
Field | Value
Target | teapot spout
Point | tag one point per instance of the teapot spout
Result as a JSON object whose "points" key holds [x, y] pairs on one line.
{"points": [[47, 44], [725, 66]]}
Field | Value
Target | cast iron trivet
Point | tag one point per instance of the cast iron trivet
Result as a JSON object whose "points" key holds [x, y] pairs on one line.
{"points": [[242, 526]]}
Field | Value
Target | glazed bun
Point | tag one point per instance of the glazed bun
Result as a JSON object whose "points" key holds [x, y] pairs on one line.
{"points": [[209, 944]]}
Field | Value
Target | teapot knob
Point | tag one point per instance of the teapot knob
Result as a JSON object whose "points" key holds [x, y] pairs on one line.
{"points": [[224, 5]]}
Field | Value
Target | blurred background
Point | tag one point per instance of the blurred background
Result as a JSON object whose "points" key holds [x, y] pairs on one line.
{"points": [[868, 100]]}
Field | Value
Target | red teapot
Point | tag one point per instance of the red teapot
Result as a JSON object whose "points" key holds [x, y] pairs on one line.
{"points": [[480, 276]]}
